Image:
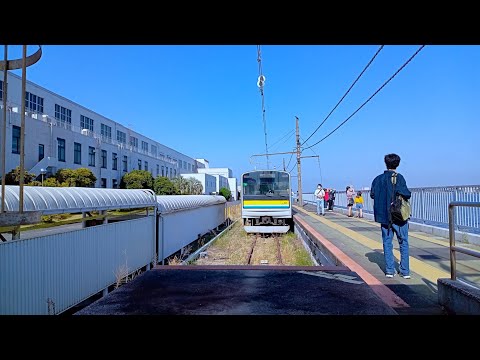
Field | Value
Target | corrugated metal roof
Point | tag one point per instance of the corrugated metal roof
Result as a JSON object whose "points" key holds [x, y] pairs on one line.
{"points": [[171, 203], [56, 200]]}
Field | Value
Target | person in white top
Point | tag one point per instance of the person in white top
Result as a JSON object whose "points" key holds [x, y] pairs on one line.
{"points": [[350, 193], [319, 197]]}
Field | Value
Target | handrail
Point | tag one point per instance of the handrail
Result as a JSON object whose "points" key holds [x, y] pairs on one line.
{"points": [[451, 234]]}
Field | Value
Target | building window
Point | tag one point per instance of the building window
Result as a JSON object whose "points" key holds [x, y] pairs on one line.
{"points": [[63, 115], [114, 161], [163, 170], [124, 163], [158, 169], [106, 132], [154, 151], [1, 90], [166, 171], [114, 184], [86, 123], [104, 159], [144, 146], [189, 167], [77, 153], [16, 139], [33, 102], [103, 183], [185, 165], [41, 151], [91, 156], [146, 165], [134, 142], [61, 149], [175, 172], [139, 164], [121, 137]]}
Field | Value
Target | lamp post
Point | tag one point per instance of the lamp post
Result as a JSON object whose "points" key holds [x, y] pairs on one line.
{"points": [[42, 171]]}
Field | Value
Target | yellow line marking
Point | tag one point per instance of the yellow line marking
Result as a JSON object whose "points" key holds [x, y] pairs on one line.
{"points": [[426, 271], [445, 243]]}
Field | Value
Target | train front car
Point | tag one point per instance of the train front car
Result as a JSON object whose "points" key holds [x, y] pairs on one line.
{"points": [[266, 201]]}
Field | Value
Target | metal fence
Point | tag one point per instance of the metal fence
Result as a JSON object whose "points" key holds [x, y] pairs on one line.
{"points": [[429, 205], [453, 248], [50, 274]]}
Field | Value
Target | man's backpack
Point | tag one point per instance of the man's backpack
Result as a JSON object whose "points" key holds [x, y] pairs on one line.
{"points": [[400, 209]]}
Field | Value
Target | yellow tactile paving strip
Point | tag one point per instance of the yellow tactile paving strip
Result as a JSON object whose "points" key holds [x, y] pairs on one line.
{"points": [[424, 270]]}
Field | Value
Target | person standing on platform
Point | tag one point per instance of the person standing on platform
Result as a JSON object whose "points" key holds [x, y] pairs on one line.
{"points": [[350, 192], [331, 199], [382, 195], [319, 197], [358, 200]]}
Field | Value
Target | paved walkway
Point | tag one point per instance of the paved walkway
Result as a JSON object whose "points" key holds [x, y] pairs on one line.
{"points": [[361, 241]]}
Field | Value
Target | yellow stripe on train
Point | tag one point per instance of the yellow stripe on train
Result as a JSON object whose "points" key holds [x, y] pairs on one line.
{"points": [[265, 202]]}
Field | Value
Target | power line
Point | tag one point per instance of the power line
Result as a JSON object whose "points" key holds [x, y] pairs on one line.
{"points": [[350, 88], [260, 83], [375, 93], [291, 156], [319, 166], [291, 132]]}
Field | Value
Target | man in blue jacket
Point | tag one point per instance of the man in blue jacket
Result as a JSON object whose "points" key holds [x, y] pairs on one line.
{"points": [[382, 194]]}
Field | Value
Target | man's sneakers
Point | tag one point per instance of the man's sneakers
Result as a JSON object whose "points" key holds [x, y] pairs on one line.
{"points": [[403, 276]]}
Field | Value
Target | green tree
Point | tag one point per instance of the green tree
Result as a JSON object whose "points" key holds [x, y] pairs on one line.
{"points": [[65, 176], [81, 177], [35, 183], [196, 187], [163, 186], [226, 193], [84, 177], [182, 185], [51, 181], [137, 179], [13, 177]]}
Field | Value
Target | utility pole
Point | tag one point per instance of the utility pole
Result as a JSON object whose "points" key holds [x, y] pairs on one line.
{"points": [[22, 129], [284, 169], [4, 125], [299, 167]]}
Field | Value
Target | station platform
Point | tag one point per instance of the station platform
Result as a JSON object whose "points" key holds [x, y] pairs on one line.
{"points": [[359, 241], [356, 285]]}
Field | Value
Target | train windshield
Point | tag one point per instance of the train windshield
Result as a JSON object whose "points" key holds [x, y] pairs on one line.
{"points": [[267, 183]]}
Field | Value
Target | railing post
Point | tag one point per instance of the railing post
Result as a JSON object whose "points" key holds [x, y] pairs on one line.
{"points": [[422, 204], [451, 234], [456, 227]]}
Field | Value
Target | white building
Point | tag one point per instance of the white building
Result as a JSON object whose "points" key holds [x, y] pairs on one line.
{"points": [[60, 133], [224, 177], [209, 182]]}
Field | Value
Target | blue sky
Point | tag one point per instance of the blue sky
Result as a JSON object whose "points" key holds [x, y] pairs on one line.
{"points": [[204, 102]]}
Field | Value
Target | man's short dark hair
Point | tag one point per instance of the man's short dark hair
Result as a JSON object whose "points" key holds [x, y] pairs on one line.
{"points": [[392, 161]]}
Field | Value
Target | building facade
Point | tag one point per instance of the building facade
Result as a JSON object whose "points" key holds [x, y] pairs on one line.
{"points": [[224, 177], [209, 182], [60, 133]]}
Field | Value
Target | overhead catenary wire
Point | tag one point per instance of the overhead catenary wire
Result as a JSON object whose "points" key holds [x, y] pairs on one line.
{"points": [[291, 156], [370, 98], [260, 83], [344, 95], [289, 134], [319, 166]]}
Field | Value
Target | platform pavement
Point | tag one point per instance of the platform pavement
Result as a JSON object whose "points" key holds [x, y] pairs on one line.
{"points": [[360, 240], [359, 287]]}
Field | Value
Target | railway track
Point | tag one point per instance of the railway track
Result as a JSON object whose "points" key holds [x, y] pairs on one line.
{"points": [[273, 240]]}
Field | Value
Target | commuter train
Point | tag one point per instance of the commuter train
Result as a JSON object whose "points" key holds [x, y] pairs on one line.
{"points": [[266, 201]]}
